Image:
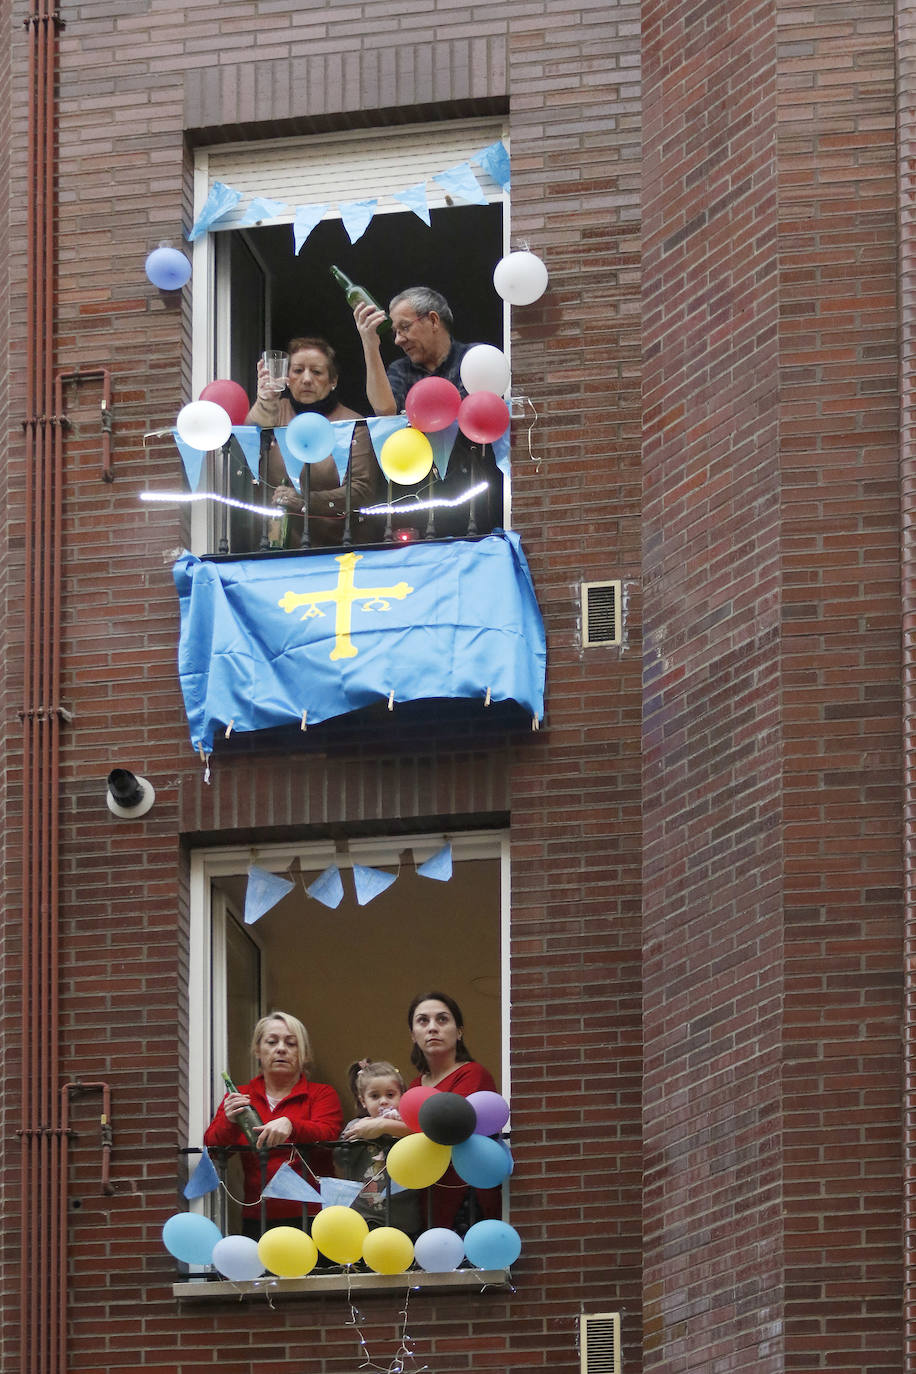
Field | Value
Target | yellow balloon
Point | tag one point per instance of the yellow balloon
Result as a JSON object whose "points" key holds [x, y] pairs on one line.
{"points": [[406, 456], [415, 1161], [388, 1251], [287, 1251], [339, 1233]]}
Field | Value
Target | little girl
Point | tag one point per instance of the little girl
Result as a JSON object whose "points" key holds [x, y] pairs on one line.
{"points": [[376, 1086]]}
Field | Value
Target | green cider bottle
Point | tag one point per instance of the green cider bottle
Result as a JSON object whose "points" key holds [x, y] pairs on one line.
{"points": [[277, 530], [248, 1121], [358, 295]]}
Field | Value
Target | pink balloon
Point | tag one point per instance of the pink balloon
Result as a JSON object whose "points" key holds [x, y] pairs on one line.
{"points": [[410, 1104], [483, 416], [432, 404], [232, 397]]}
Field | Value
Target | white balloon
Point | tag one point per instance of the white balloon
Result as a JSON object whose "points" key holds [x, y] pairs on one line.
{"points": [[520, 278], [485, 368], [438, 1251], [203, 425], [236, 1257]]}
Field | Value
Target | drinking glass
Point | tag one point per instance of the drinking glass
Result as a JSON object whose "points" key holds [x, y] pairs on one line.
{"points": [[277, 364]]}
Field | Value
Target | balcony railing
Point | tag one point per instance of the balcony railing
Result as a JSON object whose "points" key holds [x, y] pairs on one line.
{"points": [[467, 502], [468, 1204], [410, 1211]]}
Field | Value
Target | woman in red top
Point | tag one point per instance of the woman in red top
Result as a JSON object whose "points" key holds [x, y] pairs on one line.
{"points": [[294, 1111], [444, 1062]]}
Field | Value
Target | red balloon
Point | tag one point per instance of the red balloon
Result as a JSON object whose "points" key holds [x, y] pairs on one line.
{"points": [[410, 1104], [232, 397], [483, 416], [432, 404]]}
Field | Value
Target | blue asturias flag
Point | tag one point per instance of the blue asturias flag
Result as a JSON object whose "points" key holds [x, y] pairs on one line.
{"points": [[266, 642]]}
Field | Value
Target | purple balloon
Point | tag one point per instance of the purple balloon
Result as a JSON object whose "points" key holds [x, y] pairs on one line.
{"points": [[492, 1111]]}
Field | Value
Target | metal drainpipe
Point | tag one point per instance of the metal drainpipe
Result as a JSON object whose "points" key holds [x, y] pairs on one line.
{"points": [[42, 1330], [906, 184]]}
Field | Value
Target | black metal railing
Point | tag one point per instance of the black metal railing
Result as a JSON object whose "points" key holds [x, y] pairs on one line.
{"points": [[450, 1202], [432, 509]]}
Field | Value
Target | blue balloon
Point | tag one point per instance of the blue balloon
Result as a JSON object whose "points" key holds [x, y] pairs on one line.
{"points": [[167, 268], [492, 1245], [191, 1237], [480, 1161], [310, 437]]}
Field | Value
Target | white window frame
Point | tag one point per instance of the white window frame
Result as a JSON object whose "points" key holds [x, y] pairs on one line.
{"points": [[206, 971]]}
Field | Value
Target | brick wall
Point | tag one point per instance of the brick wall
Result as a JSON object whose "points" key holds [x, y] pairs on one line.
{"points": [[134, 79], [772, 751], [712, 747], [841, 676], [10, 692], [727, 364]]}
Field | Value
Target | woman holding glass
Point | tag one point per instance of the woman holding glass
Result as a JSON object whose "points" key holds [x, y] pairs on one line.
{"points": [[310, 386]]}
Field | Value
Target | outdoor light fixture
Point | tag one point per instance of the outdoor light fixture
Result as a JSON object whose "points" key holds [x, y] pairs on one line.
{"points": [[129, 796]]}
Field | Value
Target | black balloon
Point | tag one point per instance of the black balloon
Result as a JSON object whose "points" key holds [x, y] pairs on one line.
{"points": [[447, 1118]]}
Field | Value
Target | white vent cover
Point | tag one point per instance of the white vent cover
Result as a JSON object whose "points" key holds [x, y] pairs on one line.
{"points": [[602, 614], [599, 1343]]}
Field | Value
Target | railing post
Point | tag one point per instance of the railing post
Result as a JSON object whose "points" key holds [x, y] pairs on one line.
{"points": [[267, 438]]}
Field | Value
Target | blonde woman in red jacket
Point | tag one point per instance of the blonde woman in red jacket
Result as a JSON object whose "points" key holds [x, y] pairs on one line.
{"points": [[294, 1110]]}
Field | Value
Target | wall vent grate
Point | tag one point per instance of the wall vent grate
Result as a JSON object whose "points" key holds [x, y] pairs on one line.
{"points": [[602, 613], [599, 1343]]}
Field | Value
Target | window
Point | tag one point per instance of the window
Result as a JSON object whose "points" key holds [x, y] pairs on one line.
{"points": [[251, 291], [348, 973]]}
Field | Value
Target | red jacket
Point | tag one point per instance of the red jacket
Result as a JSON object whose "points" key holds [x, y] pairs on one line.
{"points": [[448, 1193], [315, 1112], [464, 1079]]}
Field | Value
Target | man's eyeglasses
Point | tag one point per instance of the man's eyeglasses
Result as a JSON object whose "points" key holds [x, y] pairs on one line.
{"points": [[405, 328]]}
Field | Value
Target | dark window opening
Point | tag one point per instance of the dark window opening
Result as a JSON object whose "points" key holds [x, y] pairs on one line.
{"points": [[266, 295]]}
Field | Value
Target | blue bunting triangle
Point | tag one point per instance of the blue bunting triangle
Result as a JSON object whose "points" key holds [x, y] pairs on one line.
{"points": [[357, 216], [260, 208], [293, 465], [286, 1183], [304, 220], [343, 438], [442, 442], [460, 181], [501, 452], [204, 1178], [327, 887], [381, 427], [339, 1192], [371, 882], [192, 458], [495, 161], [414, 197], [438, 865], [249, 441], [264, 891], [219, 202]]}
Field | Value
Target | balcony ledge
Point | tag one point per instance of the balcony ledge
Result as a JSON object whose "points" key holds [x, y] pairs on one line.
{"points": [[203, 1289]]}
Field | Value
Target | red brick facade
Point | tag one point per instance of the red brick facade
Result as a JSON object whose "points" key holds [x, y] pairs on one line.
{"points": [[707, 875]]}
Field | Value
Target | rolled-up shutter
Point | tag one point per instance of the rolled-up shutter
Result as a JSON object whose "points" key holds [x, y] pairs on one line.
{"points": [[368, 164]]}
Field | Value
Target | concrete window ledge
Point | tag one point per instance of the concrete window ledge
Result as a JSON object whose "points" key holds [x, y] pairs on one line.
{"points": [[324, 1285]]}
